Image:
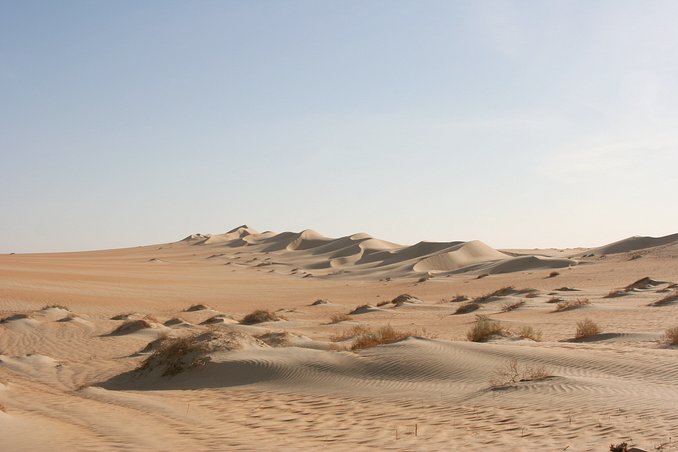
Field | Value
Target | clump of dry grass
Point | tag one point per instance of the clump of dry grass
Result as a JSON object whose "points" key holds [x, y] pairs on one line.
{"points": [[512, 373], [484, 328], [319, 302], [382, 335], [642, 283], [260, 316], [54, 306], [587, 328], [403, 298], [504, 291], [130, 326], [668, 299], [348, 334], [529, 332], [572, 304], [555, 300], [467, 307], [458, 299], [176, 355], [507, 307], [337, 318], [671, 336], [553, 274]]}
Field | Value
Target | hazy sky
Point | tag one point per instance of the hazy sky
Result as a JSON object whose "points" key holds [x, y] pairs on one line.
{"points": [[521, 124]]}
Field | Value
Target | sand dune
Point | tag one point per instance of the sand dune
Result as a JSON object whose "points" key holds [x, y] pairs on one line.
{"points": [[634, 244], [102, 351]]}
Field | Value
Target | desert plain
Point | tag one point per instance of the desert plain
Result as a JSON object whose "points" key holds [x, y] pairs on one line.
{"points": [[355, 343]]}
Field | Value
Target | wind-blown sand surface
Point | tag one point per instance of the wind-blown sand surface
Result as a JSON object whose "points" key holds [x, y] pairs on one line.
{"points": [[69, 377]]}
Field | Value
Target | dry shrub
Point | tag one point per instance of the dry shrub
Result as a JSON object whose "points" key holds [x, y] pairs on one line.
{"points": [[484, 328], [504, 291], [642, 283], [671, 336], [553, 274], [130, 326], [382, 335], [572, 304], [587, 328], [529, 332], [466, 308], [534, 294], [336, 318], [350, 333], [459, 299], [404, 298], [621, 447], [176, 355], [512, 373], [260, 316], [54, 306], [555, 300], [512, 306], [319, 302], [668, 299], [361, 309]]}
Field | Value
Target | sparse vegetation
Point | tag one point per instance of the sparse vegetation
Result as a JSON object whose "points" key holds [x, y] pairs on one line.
{"points": [[504, 291], [176, 355], [512, 373], [668, 299], [467, 307], [555, 300], [124, 316], [54, 306], [319, 302], [507, 307], [383, 303], [529, 332], [260, 316], [586, 328], [484, 328], [130, 326], [382, 335], [572, 304], [336, 318], [403, 298], [671, 336], [621, 447], [348, 334], [459, 299], [553, 274], [642, 283]]}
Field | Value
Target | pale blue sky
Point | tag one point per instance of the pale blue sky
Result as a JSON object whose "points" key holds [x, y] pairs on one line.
{"points": [[521, 124]]}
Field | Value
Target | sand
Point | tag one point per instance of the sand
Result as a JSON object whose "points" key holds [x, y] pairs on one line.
{"points": [[77, 327]]}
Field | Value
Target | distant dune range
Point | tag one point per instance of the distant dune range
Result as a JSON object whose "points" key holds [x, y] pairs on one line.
{"points": [[361, 255]]}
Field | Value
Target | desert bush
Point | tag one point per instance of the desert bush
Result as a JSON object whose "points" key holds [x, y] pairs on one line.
{"points": [[459, 299], [336, 318], [403, 298], [382, 335], [507, 307], [529, 332], [349, 333], [621, 447], [176, 355], [642, 283], [484, 328], [467, 307], [504, 291], [55, 306], [572, 304], [586, 328], [668, 299], [260, 316], [361, 309], [319, 302], [555, 300], [512, 372], [553, 274], [671, 336]]}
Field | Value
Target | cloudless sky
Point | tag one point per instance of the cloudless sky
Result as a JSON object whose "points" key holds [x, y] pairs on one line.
{"points": [[521, 124]]}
